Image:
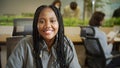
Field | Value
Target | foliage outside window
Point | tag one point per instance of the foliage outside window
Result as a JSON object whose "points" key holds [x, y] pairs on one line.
{"points": [[74, 22], [8, 21], [111, 22], [116, 21]]}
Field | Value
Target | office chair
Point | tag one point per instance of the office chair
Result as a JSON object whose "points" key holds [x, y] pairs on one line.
{"points": [[95, 57], [22, 26], [11, 42]]}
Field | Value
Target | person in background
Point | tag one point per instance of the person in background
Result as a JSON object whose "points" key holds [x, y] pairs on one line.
{"points": [[72, 11], [48, 47], [116, 13], [96, 21], [57, 3]]}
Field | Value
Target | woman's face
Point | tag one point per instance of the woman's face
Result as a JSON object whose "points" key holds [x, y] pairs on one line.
{"points": [[47, 24]]}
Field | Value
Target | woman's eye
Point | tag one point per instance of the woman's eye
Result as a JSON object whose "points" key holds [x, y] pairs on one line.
{"points": [[41, 21], [53, 21]]}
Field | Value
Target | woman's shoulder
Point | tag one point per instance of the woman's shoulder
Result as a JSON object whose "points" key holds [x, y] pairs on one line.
{"points": [[68, 43], [98, 30], [27, 39], [26, 42], [99, 33], [67, 40]]}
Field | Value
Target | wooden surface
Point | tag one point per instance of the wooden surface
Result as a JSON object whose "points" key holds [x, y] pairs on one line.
{"points": [[73, 33], [3, 38]]}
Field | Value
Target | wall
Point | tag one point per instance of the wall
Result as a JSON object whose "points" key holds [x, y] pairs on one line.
{"points": [[28, 6], [108, 9], [20, 6]]}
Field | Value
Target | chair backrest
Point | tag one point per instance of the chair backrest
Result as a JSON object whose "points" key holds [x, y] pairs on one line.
{"points": [[11, 43], [22, 26], [95, 57], [87, 31]]}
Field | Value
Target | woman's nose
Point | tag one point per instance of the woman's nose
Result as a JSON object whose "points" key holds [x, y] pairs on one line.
{"points": [[48, 24]]}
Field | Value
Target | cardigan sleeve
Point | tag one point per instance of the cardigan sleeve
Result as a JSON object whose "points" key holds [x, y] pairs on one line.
{"points": [[15, 60], [72, 56]]}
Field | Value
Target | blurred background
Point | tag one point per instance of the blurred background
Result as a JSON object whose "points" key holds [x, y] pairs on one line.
{"points": [[10, 9]]}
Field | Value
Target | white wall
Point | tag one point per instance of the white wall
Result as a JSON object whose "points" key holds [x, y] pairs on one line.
{"points": [[109, 9], [20, 6], [23, 6]]}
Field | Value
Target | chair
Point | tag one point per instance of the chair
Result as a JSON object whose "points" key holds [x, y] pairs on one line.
{"points": [[11, 43], [95, 57], [22, 26]]}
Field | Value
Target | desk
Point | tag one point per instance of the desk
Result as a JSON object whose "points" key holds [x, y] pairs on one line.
{"points": [[73, 33], [3, 39], [76, 39], [3, 42], [116, 44], [117, 39]]}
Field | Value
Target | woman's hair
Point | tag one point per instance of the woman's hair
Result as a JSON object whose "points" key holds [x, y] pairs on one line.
{"points": [[73, 5], [57, 1], [96, 18], [37, 37]]}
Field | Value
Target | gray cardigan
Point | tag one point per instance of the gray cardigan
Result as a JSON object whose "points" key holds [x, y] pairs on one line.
{"points": [[23, 56]]}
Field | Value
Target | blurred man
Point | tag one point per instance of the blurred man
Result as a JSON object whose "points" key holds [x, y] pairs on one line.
{"points": [[72, 11]]}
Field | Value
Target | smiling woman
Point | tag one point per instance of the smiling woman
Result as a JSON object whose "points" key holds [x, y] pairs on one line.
{"points": [[48, 46], [48, 26]]}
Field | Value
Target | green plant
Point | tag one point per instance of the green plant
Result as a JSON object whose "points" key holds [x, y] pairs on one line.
{"points": [[27, 14], [111, 22], [116, 21], [8, 20], [74, 22], [108, 23]]}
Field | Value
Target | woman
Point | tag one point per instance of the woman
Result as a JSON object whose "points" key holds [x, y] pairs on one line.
{"points": [[48, 47], [96, 21]]}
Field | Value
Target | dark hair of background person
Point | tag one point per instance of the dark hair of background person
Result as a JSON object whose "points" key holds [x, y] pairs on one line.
{"points": [[116, 13], [96, 18], [73, 5], [60, 42], [57, 1]]}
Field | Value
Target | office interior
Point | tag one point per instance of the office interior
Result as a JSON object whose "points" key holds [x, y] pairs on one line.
{"points": [[26, 9]]}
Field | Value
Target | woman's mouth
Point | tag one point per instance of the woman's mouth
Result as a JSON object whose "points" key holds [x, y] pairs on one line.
{"points": [[48, 31]]}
